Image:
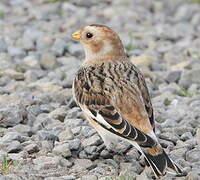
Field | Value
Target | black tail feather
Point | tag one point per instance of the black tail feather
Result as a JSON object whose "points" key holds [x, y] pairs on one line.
{"points": [[161, 164]]}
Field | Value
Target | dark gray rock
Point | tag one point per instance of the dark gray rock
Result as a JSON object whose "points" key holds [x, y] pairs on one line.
{"points": [[173, 76], [75, 144], [12, 115], [46, 135]]}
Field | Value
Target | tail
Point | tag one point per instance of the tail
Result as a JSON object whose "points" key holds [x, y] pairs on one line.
{"points": [[160, 162]]}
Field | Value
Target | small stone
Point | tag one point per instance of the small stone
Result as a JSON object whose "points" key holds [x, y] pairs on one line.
{"points": [[74, 144], [173, 76], [44, 42], [63, 150], [14, 147], [44, 162], [83, 155], [193, 155], [66, 163], [93, 140], [180, 152], [31, 61], [75, 49], [90, 149], [181, 130], [113, 163], [70, 177], [65, 135], [189, 77], [12, 74], [32, 148], [47, 145], [89, 177], [85, 163], [72, 113], [169, 137], [59, 114], [53, 178], [76, 130], [132, 167], [133, 154], [97, 170], [165, 143], [105, 154], [59, 47], [88, 131], [193, 175], [73, 122], [16, 52], [46, 135], [186, 136], [48, 61], [10, 137], [46, 108], [23, 129], [142, 60]]}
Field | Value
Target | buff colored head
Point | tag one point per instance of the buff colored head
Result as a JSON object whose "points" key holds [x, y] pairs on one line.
{"points": [[99, 42]]}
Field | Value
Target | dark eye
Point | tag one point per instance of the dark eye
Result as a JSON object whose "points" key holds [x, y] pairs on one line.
{"points": [[89, 35]]}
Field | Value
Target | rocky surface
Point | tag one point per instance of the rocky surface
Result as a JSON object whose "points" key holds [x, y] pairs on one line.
{"points": [[43, 134]]}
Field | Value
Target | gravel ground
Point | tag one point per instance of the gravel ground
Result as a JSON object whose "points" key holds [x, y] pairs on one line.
{"points": [[43, 134]]}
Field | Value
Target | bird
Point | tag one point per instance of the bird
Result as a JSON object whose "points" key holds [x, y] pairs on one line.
{"points": [[113, 95]]}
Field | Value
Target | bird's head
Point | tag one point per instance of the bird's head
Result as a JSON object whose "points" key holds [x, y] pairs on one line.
{"points": [[100, 42]]}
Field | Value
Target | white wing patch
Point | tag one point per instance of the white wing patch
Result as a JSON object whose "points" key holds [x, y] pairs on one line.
{"points": [[152, 135], [98, 118]]}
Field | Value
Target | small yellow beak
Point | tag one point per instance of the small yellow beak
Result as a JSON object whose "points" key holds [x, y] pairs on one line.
{"points": [[77, 35]]}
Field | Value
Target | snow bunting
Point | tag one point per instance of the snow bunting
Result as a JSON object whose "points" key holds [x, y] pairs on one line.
{"points": [[113, 95]]}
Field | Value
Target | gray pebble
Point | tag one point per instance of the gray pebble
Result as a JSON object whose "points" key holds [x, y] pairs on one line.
{"points": [[193, 155], [186, 136], [85, 164], [113, 163], [16, 52], [12, 115], [14, 147], [47, 145], [32, 148], [90, 149], [75, 49], [66, 163], [62, 149], [89, 177], [74, 144], [193, 175], [46, 135], [70, 177], [83, 155], [93, 140], [48, 61], [97, 170], [45, 162], [59, 47], [189, 77], [173, 76]]}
